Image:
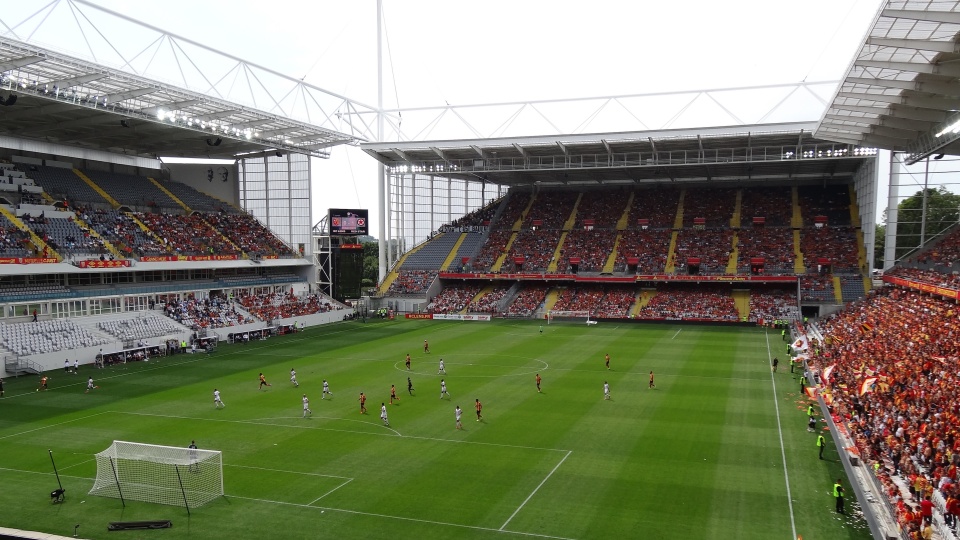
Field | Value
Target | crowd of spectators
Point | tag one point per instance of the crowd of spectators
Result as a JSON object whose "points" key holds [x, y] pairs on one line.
{"points": [[212, 312], [616, 302], [838, 245], [715, 206], [454, 298], [650, 246], [479, 217], [592, 247], [187, 235], [281, 305], [773, 305], [516, 204], [13, 241], [816, 288], [894, 386], [536, 247], [932, 277], [493, 248], [712, 246], [604, 208], [551, 209], [703, 303], [412, 281], [528, 300], [658, 206], [833, 202], [249, 234], [575, 298], [946, 252], [774, 204], [773, 244], [489, 302], [121, 231]]}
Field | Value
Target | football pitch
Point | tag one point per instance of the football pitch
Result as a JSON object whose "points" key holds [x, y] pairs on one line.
{"points": [[717, 450]]}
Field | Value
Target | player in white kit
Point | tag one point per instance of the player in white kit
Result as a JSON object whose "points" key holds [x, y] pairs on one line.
{"points": [[326, 390], [293, 377], [306, 406], [383, 414], [443, 389], [217, 402]]}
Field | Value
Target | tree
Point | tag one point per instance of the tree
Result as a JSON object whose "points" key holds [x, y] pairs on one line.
{"points": [[371, 264], [879, 243], [943, 211]]}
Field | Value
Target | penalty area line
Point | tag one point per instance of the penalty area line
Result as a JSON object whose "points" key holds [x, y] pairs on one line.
{"points": [[535, 490], [331, 491], [401, 518]]}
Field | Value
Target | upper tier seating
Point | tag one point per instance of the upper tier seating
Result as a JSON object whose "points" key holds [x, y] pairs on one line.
{"points": [[932, 277], [60, 183], [494, 247], [536, 246], [46, 336], [832, 201], [838, 245], [247, 232], [603, 207], [133, 190], [187, 235], [469, 246], [431, 254], [592, 247], [774, 204], [658, 206], [196, 200], [121, 231], [13, 241], [945, 252], [65, 236], [551, 209], [772, 244], [650, 246], [412, 281], [711, 246], [715, 205]]}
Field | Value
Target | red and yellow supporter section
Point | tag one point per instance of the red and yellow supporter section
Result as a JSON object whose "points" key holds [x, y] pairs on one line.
{"points": [[181, 258], [28, 260], [96, 263]]}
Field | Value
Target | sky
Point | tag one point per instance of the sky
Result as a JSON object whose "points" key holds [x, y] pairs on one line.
{"points": [[440, 52]]}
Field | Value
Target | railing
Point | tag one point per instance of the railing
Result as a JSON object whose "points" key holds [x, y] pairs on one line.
{"points": [[18, 366]]}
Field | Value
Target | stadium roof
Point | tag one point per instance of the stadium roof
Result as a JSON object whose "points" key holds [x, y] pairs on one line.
{"points": [[54, 97], [734, 153], [901, 91]]}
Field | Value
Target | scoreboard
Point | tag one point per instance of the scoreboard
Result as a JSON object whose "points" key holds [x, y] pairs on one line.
{"points": [[348, 222]]}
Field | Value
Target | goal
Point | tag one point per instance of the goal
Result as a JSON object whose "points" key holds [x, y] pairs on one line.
{"points": [[187, 477], [554, 317]]}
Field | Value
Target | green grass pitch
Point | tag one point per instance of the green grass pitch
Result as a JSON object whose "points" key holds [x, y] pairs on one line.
{"points": [[711, 453]]}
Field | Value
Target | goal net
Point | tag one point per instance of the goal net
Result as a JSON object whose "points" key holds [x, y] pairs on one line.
{"points": [[554, 317], [171, 475]]}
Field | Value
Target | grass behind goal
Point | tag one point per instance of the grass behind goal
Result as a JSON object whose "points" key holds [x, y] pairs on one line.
{"points": [[698, 457]]}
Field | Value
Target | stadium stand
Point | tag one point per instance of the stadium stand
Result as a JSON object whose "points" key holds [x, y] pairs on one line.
{"points": [[139, 328], [135, 191], [213, 312], [46, 336], [706, 303], [432, 253], [530, 297], [281, 305], [454, 298], [198, 201], [412, 281]]}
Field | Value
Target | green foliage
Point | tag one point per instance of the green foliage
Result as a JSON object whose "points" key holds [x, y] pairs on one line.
{"points": [[699, 457], [943, 211]]}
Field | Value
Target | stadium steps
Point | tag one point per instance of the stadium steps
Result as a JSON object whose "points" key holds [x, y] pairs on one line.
{"points": [[483, 292], [867, 284], [854, 210], [46, 196], [38, 242], [93, 185], [678, 220], [796, 221], [506, 250], [735, 219], [611, 263], [523, 215], [110, 247], [170, 194], [623, 222], [572, 218], [734, 252], [741, 299], [643, 298], [798, 267], [837, 291], [453, 253], [672, 252], [552, 267], [392, 274], [551, 300]]}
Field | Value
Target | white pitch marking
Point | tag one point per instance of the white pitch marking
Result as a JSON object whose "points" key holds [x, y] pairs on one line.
{"points": [[677, 334], [534, 492], [783, 452], [289, 472], [52, 425], [329, 492], [416, 520]]}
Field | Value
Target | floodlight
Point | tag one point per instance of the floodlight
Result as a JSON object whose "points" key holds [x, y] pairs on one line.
{"points": [[160, 114]]}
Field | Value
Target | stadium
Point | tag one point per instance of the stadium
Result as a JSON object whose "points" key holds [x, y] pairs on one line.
{"points": [[738, 329]]}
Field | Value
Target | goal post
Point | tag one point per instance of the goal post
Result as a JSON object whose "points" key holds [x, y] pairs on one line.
{"points": [[187, 477], [556, 316]]}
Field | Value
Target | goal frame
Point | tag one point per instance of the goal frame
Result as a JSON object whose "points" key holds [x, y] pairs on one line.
{"points": [[172, 475], [554, 316]]}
